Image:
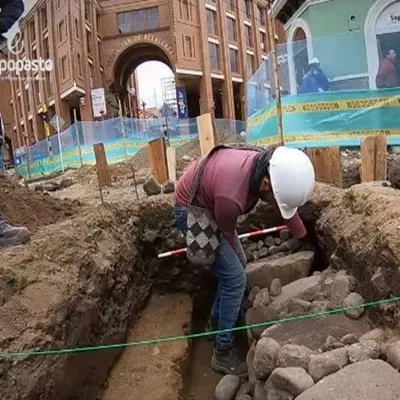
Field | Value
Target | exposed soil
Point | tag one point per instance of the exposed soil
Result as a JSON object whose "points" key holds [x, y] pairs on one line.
{"points": [[21, 206], [154, 372]]}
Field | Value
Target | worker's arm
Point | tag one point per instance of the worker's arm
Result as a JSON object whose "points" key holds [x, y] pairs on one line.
{"points": [[296, 226], [10, 13], [226, 212]]}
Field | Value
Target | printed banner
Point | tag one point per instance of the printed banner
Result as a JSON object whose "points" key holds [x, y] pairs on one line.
{"points": [[182, 102], [330, 119]]}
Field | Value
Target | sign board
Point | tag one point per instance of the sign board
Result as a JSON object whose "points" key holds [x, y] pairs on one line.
{"points": [[182, 103], [99, 102], [57, 122], [389, 20]]}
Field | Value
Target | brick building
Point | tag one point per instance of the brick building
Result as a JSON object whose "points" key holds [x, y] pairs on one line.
{"points": [[212, 46]]}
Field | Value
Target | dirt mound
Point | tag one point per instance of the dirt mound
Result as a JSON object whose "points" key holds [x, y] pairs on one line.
{"points": [[22, 206]]}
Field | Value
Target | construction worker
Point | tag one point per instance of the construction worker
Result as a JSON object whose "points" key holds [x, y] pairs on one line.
{"points": [[233, 182], [11, 10]]}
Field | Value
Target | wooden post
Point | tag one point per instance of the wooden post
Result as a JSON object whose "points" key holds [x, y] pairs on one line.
{"points": [[206, 133], [374, 159], [171, 159], [103, 171], [277, 84], [327, 164], [158, 160]]}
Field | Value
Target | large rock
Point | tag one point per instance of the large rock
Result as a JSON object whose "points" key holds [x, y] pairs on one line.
{"points": [[260, 315], [292, 355], [265, 357], [367, 380], [394, 173], [363, 351], [331, 343], [275, 288], [227, 387], [250, 365], [341, 287], [393, 355], [152, 187], [324, 364], [168, 187], [378, 335], [312, 333], [353, 302], [262, 298], [245, 389], [287, 269], [306, 289], [259, 391], [292, 380], [276, 394]]}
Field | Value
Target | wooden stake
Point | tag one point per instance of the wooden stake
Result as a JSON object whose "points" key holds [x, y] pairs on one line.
{"points": [[374, 159], [171, 160], [158, 160], [134, 182], [327, 165], [206, 133], [103, 171], [272, 33]]}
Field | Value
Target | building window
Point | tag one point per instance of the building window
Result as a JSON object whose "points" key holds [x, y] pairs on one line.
{"points": [[27, 102], [185, 10], [250, 65], [37, 90], [231, 23], [49, 83], [188, 47], [139, 20], [89, 41], [247, 8], [44, 17], [234, 60], [79, 60], [98, 21], [58, 4], [61, 31], [32, 32], [46, 48], [249, 36], [212, 22], [230, 4], [77, 28], [214, 56], [262, 40], [64, 68], [87, 10], [262, 15]]}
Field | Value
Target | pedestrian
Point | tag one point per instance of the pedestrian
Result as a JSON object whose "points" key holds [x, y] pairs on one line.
{"points": [[233, 181], [315, 80], [11, 10], [387, 74]]}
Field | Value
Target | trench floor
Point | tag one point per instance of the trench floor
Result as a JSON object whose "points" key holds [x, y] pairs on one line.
{"points": [[153, 372]]}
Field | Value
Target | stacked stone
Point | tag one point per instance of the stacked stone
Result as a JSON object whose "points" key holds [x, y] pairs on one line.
{"points": [[271, 246]]}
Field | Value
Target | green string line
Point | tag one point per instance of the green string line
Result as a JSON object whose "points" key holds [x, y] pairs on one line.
{"points": [[148, 342]]}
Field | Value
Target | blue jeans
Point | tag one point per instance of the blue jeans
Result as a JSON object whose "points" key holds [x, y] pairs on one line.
{"points": [[228, 268]]}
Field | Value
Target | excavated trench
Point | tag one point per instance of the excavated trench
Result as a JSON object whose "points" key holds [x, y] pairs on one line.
{"points": [[109, 287]]}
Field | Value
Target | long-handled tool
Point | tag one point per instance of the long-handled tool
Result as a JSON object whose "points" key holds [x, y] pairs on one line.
{"points": [[242, 236]]}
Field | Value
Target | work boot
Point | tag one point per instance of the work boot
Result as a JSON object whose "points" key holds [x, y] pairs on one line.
{"points": [[211, 326], [10, 236], [226, 361]]}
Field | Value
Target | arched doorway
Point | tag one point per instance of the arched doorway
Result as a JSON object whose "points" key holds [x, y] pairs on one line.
{"points": [[124, 90], [299, 52], [382, 33]]}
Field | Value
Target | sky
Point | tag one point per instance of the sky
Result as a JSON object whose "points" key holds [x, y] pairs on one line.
{"points": [[149, 73]]}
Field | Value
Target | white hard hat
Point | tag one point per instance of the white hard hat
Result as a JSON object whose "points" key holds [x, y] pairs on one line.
{"points": [[292, 179], [315, 60]]}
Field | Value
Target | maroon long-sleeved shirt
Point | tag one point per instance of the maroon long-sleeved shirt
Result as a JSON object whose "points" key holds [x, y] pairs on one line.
{"points": [[224, 190], [387, 75]]}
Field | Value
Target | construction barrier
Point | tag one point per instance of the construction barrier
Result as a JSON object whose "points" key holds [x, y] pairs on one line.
{"points": [[122, 138], [330, 119]]}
